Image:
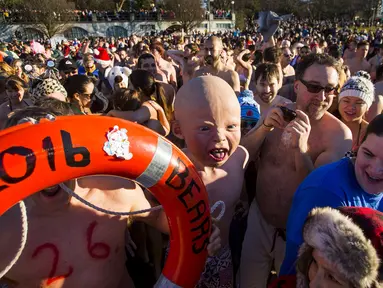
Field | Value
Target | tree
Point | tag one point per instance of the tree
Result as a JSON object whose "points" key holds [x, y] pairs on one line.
{"points": [[188, 13], [50, 17]]}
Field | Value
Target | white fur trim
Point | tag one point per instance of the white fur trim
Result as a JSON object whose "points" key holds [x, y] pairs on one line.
{"points": [[343, 244]]}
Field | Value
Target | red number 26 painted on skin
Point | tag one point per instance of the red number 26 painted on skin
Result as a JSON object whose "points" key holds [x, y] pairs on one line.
{"points": [[96, 250], [51, 277]]}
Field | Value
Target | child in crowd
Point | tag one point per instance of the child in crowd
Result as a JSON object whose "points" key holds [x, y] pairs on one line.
{"points": [[208, 118]]}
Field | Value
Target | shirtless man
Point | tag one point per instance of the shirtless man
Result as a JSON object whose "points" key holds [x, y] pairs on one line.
{"points": [[70, 244], [187, 59], [359, 62], [377, 106], [158, 52], [376, 61], [214, 66], [208, 118], [288, 152], [267, 81], [287, 70]]}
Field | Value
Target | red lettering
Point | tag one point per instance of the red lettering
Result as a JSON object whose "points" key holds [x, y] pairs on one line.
{"points": [[51, 277], [97, 250]]}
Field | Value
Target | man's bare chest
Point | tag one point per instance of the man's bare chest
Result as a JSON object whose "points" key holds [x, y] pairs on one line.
{"points": [[58, 249]]}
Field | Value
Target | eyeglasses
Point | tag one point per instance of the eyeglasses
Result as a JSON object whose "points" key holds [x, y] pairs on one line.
{"points": [[315, 88], [288, 55]]}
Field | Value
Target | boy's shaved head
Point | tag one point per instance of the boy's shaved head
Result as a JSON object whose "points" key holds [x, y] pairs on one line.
{"points": [[208, 117]]}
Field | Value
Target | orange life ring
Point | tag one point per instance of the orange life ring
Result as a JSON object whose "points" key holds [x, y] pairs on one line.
{"points": [[33, 157]]}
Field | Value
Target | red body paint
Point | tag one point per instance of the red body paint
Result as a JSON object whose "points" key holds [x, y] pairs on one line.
{"points": [[51, 277], [97, 250]]}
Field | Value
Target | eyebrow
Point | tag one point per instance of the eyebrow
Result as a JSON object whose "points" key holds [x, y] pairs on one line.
{"points": [[368, 150]]}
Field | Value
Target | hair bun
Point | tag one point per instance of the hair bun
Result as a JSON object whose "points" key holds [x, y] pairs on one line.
{"points": [[363, 74]]}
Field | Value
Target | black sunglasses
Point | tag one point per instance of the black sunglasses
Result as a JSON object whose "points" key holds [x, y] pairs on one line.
{"points": [[315, 88]]}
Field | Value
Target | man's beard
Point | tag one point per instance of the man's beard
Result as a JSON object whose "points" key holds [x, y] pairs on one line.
{"points": [[212, 61]]}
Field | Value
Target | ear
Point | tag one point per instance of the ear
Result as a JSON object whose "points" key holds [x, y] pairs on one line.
{"points": [[296, 86], [176, 129], [76, 96]]}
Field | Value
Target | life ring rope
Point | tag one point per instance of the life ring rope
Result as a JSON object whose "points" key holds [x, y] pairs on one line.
{"points": [[60, 150], [23, 240]]}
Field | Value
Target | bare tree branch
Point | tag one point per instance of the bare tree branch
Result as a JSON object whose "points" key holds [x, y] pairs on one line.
{"points": [[188, 13]]}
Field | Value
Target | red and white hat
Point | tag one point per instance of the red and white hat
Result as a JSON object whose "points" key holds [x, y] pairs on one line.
{"points": [[102, 56]]}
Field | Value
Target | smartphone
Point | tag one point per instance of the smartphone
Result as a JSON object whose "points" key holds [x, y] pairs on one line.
{"points": [[288, 114]]}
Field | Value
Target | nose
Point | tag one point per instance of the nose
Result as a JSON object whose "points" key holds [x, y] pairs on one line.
{"points": [[219, 136], [321, 95], [267, 89]]}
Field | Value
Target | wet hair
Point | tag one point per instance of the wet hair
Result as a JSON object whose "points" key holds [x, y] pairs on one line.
{"points": [[126, 100], [362, 43], [13, 82], [320, 59], [375, 127], [272, 55], [76, 84], [144, 82], [379, 72], [267, 71], [144, 57]]}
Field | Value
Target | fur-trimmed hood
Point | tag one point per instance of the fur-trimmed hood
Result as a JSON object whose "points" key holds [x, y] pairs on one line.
{"points": [[342, 243]]}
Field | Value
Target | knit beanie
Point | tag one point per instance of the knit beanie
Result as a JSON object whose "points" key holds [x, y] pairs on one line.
{"points": [[359, 86], [249, 107]]}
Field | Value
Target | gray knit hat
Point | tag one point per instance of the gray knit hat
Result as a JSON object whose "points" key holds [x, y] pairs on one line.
{"points": [[359, 86]]}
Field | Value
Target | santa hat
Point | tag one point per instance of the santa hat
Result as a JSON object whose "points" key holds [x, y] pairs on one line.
{"points": [[102, 56], [343, 243]]}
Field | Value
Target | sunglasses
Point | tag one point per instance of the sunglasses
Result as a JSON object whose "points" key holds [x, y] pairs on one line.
{"points": [[288, 55], [315, 88]]}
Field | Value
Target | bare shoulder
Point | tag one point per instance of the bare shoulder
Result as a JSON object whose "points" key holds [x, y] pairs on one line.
{"points": [[107, 183], [335, 128], [200, 72], [281, 100]]}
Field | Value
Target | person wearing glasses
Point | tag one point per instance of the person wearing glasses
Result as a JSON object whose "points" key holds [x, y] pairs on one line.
{"points": [[289, 143], [80, 90], [287, 69]]}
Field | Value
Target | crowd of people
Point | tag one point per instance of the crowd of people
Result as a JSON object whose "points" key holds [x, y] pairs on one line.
{"points": [[154, 14], [286, 132]]}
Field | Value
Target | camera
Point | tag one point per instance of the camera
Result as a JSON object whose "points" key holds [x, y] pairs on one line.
{"points": [[288, 114]]}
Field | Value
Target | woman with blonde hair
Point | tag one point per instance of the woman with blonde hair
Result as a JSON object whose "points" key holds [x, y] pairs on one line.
{"points": [[17, 66]]}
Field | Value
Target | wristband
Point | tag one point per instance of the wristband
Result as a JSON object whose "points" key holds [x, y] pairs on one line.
{"points": [[268, 128]]}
